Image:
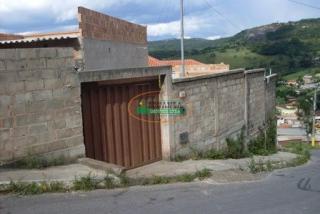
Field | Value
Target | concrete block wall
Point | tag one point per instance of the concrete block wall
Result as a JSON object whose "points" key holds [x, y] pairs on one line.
{"points": [[219, 106], [270, 95], [40, 109], [199, 121], [256, 101]]}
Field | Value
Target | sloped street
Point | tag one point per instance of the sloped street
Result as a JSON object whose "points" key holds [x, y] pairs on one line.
{"points": [[292, 190]]}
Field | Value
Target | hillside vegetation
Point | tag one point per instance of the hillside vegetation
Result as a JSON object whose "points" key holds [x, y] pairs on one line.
{"points": [[287, 48]]}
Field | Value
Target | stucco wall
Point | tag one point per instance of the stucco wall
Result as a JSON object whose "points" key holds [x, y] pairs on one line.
{"points": [[219, 106], [39, 103]]}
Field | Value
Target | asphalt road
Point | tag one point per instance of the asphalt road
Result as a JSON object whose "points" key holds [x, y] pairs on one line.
{"points": [[294, 190]]}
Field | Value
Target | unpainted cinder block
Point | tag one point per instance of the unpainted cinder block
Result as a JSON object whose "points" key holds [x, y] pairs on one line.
{"points": [[47, 52], [42, 95], [34, 85]]}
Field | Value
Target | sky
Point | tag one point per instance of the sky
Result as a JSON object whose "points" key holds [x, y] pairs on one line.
{"points": [[210, 19]]}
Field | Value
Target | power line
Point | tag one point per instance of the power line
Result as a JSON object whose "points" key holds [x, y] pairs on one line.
{"points": [[304, 4], [223, 16]]}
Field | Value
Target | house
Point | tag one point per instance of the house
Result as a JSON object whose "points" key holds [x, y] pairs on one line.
{"points": [[91, 93], [192, 67], [292, 83], [308, 79]]}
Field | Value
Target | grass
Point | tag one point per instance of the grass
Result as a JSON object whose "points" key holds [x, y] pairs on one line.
{"points": [[237, 58], [260, 166], [39, 162], [301, 149], [88, 183], [187, 177], [301, 72], [85, 183], [211, 154], [23, 188], [236, 148]]}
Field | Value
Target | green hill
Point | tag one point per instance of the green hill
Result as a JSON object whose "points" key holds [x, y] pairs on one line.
{"points": [[285, 47]]}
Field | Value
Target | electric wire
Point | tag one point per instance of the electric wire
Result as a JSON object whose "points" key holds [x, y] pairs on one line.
{"points": [[304, 4], [223, 16]]}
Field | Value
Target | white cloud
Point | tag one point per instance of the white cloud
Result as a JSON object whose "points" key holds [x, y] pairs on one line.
{"points": [[200, 20], [64, 10], [59, 10], [192, 25], [213, 37], [56, 29]]}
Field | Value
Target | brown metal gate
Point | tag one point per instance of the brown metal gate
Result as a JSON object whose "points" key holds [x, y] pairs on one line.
{"points": [[110, 133]]}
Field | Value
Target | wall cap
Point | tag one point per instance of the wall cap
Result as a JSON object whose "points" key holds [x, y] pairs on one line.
{"points": [[252, 71], [208, 76]]}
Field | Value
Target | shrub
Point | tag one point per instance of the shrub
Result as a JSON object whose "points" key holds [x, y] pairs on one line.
{"points": [[202, 174], [214, 154], [159, 180], [185, 178], [302, 149], [125, 180], [256, 167], [236, 147], [85, 183], [109, 183], [265, 142]]}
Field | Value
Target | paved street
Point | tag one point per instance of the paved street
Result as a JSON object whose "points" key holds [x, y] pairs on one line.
{"points": [[285, 134], [294, 190]]}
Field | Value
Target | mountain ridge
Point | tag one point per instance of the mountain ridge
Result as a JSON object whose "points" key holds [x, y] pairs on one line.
{"points": [[286, 47]]}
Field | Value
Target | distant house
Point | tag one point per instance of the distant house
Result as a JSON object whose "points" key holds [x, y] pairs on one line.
{"points": [[308, 79], [292, 83], [192, 67]]}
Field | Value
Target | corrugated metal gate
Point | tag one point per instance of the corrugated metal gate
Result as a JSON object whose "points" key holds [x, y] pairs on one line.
{"points": [[110, 133]]}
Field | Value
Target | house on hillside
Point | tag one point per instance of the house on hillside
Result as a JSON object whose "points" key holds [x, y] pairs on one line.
{"points": [[92, 93], [192, 67]]}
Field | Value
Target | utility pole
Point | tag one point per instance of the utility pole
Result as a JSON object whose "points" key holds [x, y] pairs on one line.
{"points": [[313, 141], [182, 39]]}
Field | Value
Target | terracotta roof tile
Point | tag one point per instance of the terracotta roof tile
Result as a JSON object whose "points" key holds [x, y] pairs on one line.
{"points": [[153, 62]]}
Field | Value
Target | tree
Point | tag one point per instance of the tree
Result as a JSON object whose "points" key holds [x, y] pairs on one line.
{"points": [[305, 112], [300, 81]]}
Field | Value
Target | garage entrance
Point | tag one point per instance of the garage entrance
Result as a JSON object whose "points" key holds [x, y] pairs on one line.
{"points": [[111, 134]]}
